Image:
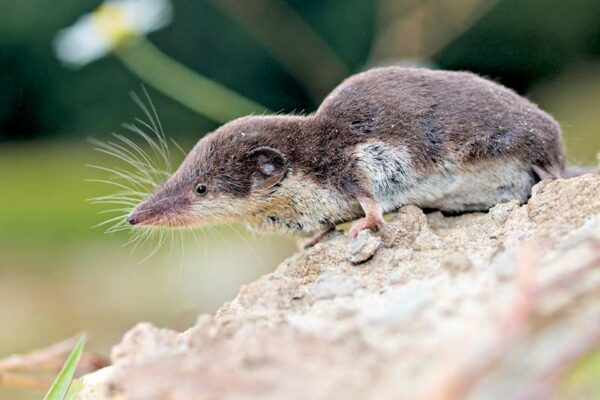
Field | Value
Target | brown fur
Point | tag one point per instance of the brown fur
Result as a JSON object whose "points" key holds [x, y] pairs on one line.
{"points": [[433, 116]]}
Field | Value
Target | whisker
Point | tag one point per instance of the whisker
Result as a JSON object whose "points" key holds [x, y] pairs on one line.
{"points": [[124, 154], [108, 221], [117, 184], [130, 205], [151, 103], [156, 248], [116, 201], [113, 210], [142, 154], [135, 237], [135, 147], [155, 147], [154, 120], [221, 236], [158, 131], [177, 146], [182, 254], [144, 162], [117, 196], [134, 179], [245, 240], [140, 103], [117, 228], [171, 243], [160, 134], [147, 235], [142, 168]]}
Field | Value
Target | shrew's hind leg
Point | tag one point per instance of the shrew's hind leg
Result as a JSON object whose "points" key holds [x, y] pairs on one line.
{"points": [[307, 243], [373, 216]]}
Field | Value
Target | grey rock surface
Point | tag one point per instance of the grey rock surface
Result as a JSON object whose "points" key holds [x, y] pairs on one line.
{"points": [[363, 247], [481, 306]]}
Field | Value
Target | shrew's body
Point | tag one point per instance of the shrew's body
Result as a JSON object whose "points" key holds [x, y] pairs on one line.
{"points": [[384, 138]]}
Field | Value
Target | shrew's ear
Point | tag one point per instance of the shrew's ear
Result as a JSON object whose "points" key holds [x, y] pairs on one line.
{"points": [[270, 165]]}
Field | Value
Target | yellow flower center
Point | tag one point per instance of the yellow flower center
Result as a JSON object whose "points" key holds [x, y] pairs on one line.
{"points": [[111, 22]]}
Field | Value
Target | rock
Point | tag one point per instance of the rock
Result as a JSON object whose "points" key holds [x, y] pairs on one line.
{"points": [[405, 227], [501, 212], [363, 247], [95, 386], [505, 265], [146, 341], [402, 254], [478, 306], [332, 285], [566, 201], [458, 262]]}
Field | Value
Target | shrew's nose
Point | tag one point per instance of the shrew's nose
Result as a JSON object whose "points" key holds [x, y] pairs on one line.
{"points": [[132, 220]]}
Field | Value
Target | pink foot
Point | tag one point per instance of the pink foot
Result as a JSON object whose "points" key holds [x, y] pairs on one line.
{"points": [[369, 222]]}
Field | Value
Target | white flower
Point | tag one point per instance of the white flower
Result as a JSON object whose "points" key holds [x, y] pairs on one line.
{"points": [[110, 25]]}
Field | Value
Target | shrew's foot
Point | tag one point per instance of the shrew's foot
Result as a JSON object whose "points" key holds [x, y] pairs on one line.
{"points": [[367, 223], [308, 243], [373, 217]]}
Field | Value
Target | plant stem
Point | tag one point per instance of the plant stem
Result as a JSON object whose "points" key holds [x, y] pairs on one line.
{"points": [[185, 85], [296, 46]]}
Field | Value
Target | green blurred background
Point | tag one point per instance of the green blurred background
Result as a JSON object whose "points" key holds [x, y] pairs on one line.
{"points": [[58, 276]]}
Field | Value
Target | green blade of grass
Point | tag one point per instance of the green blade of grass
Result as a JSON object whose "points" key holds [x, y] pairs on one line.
{"points": [[61, 384], [74, 390]]}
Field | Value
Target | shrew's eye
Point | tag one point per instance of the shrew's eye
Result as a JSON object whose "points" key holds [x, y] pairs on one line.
{"points": [[201, 189]]}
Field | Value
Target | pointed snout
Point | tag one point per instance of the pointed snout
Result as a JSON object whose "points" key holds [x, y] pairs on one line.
{"points": [[160, 210], [140, 215]]}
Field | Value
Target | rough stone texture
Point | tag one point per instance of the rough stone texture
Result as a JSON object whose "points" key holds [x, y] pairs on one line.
{"points": [[363, 247], [497, 305]]}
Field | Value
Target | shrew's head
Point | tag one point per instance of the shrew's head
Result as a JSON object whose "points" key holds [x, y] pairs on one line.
{"points": [[231, 174]]}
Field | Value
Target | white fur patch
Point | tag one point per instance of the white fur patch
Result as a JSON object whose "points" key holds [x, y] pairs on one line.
{"points": [[387, 171], [395, 183]]}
